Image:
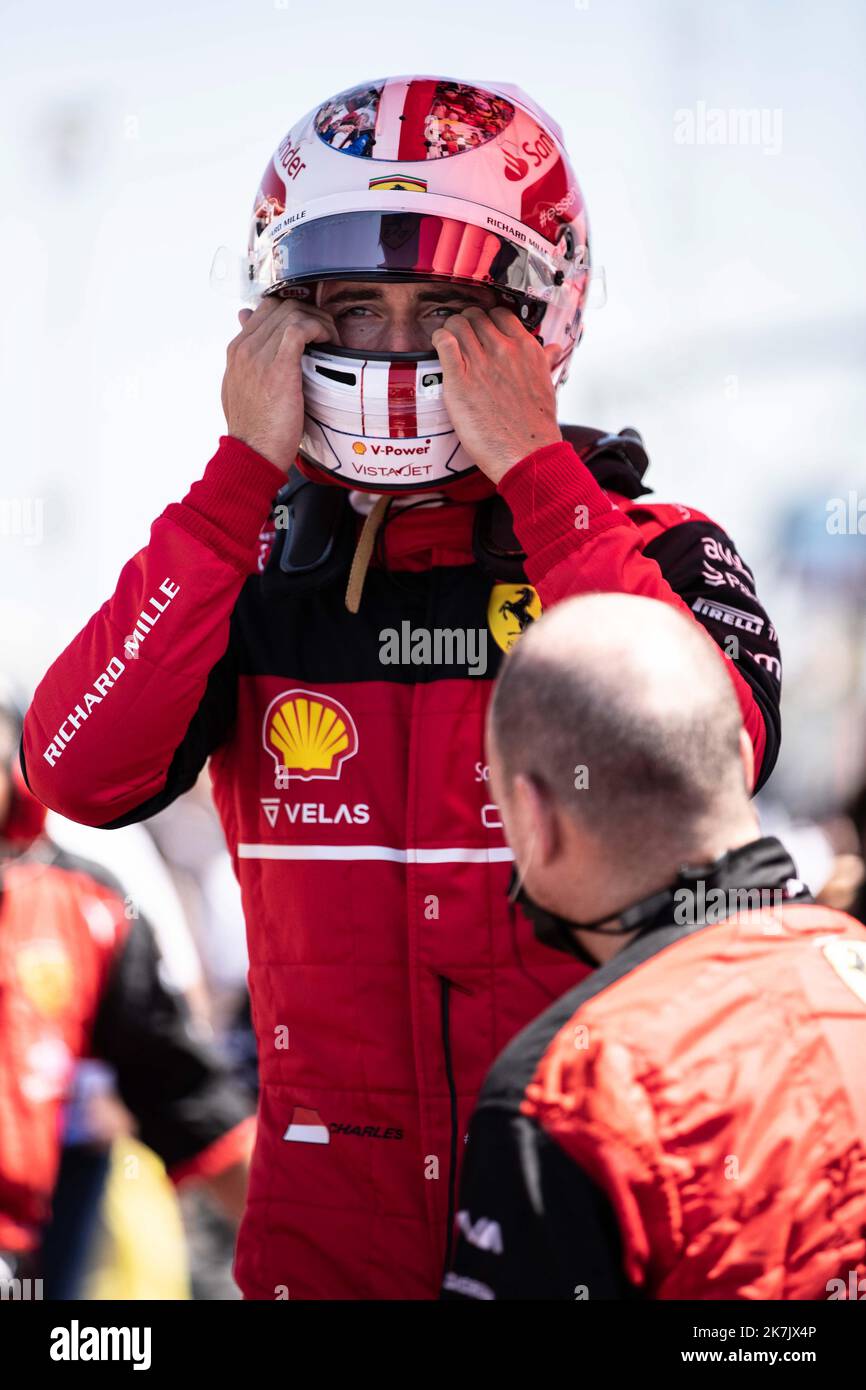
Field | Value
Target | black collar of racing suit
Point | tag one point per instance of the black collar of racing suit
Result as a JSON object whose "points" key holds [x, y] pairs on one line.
{"points": [[700, 895], [617, 462], [315, 530]]}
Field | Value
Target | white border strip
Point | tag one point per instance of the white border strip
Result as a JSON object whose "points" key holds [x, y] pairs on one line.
{"points": [[388, 117], [494, 855], [433, 203]]}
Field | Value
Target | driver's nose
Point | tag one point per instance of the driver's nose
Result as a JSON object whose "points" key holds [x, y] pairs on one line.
{"points": [[405, 334]]}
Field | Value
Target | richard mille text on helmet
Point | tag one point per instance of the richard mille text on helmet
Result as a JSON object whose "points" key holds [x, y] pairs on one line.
{"points": [[417, 179]]}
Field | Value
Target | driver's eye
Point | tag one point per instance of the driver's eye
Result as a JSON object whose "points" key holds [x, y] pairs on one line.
{"points": [[448, 309]]}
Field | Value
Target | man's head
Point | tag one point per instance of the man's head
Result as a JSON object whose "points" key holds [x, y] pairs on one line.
{"points": [[414, 187], [617, 753]]}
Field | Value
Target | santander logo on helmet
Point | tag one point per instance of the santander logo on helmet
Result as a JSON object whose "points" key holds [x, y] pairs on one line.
{"points": [[516, 168], [417, 178]]}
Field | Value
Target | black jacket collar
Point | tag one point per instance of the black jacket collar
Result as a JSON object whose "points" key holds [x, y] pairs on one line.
{"points": [[761, 864], [704, 893]]}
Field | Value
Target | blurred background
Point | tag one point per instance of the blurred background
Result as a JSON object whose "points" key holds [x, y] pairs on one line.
{"points": [[721, 153]]}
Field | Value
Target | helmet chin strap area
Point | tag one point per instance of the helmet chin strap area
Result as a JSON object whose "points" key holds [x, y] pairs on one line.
{"points": [[377, 421]]}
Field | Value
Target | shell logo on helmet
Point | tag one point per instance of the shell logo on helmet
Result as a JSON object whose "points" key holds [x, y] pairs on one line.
{"points": [[308, 735]]}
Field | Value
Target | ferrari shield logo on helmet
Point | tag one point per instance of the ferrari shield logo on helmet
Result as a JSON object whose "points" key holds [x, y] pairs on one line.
{"points": [[511, 609], [399, 183]]}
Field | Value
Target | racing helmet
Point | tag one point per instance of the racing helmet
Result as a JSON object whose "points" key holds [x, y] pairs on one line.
{"points": [[426, 178]]}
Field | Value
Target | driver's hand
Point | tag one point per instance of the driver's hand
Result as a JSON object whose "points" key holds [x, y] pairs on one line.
{"points": [[262, 394]]}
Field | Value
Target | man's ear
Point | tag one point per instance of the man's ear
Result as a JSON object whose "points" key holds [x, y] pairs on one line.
{"points": [[536, 818], [747, 758]]}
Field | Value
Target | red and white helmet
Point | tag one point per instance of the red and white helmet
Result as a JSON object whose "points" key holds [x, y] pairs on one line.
{"points": [[425, 178]]}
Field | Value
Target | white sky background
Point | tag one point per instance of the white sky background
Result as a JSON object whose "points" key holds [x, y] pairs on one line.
{"points": [[735, 331]]}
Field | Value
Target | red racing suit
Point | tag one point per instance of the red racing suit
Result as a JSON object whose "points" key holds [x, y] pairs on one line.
{"points": [[348, 765]]}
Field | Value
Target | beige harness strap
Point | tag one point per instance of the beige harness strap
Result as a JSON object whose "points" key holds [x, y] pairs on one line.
{"points": [[363, 552]]}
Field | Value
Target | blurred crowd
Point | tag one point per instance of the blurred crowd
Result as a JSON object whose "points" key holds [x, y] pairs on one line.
{"points": [[119, 1224]]}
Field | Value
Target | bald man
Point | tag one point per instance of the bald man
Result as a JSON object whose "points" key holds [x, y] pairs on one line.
{"points": [[690, 1121]]}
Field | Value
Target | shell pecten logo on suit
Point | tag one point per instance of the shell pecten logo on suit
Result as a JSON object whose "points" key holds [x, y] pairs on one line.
{"points": [[308, 735]]}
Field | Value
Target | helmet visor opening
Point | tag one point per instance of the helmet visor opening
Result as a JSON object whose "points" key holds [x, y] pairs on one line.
{"points": [[409, 245]]}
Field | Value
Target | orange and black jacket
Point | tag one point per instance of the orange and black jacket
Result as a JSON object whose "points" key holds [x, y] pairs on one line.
{"points": [[80, 975], [690, 1121]]}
